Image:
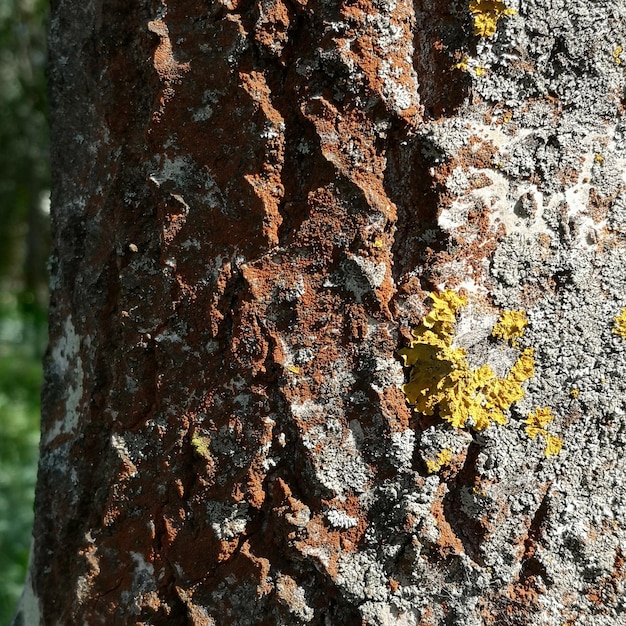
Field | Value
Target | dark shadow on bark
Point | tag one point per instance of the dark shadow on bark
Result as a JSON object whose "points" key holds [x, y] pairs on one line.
{"points": [[469, 530], [440, 41], [412, 189]]}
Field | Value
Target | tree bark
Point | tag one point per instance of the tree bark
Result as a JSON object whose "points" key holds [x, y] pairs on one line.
{"points": [[256, 206]]}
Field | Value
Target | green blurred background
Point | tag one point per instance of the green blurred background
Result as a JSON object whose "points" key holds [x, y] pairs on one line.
{"points": [[24, 241]]}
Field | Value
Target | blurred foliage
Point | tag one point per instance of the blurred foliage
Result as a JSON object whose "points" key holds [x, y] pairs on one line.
{"points": [[24, 241], [24, 172], [20, 381]]}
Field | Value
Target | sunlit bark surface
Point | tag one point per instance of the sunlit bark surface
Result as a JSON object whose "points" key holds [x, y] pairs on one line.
{"points": [[254, 205]]}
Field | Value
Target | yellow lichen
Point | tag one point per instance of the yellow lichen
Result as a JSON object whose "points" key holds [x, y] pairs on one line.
{"points": [[538, 419], [536, 425], [443, 459], [486, 14], [511, 325], [524, 367], [202, 445], [463, 64], [443, 383], [619, 327], [443, 315], [442, 380], [553, 445], [617, 55], [466, 64]]}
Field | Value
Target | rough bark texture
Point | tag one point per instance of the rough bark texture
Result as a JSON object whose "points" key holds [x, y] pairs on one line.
{"points": [[253, 204]]}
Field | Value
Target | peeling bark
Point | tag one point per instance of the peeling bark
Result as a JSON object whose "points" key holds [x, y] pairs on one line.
{"points": [[254, 204]]}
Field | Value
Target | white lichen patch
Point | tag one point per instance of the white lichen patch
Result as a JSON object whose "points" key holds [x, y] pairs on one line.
{"points": [[189, 184], [293, 358], [340, 519], [334, 450], [559, 210], [227, 520], [67, 366], [119, 445], [336, 460], [360, 276], [387, 373], [373, 272], [306, 410], [291, 595], [400, 450], [375, 613], [361, 576], [438, 445]]}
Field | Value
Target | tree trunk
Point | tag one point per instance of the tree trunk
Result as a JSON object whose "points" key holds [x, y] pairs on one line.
{"points": [[254, 204]]}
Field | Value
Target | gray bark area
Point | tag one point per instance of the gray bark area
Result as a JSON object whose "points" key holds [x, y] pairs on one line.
{"points": [[254, 204]]}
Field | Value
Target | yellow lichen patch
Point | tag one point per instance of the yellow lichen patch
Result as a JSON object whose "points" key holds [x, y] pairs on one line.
{"points": [[443, 459], [486, 14], [463, 64], [617, 55], [511, 325], [443, 315], [619, 327], [524, 367], [202, 445], [553, 445], [467, 64], [442, 380], [538, 420], [536, 425]]}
